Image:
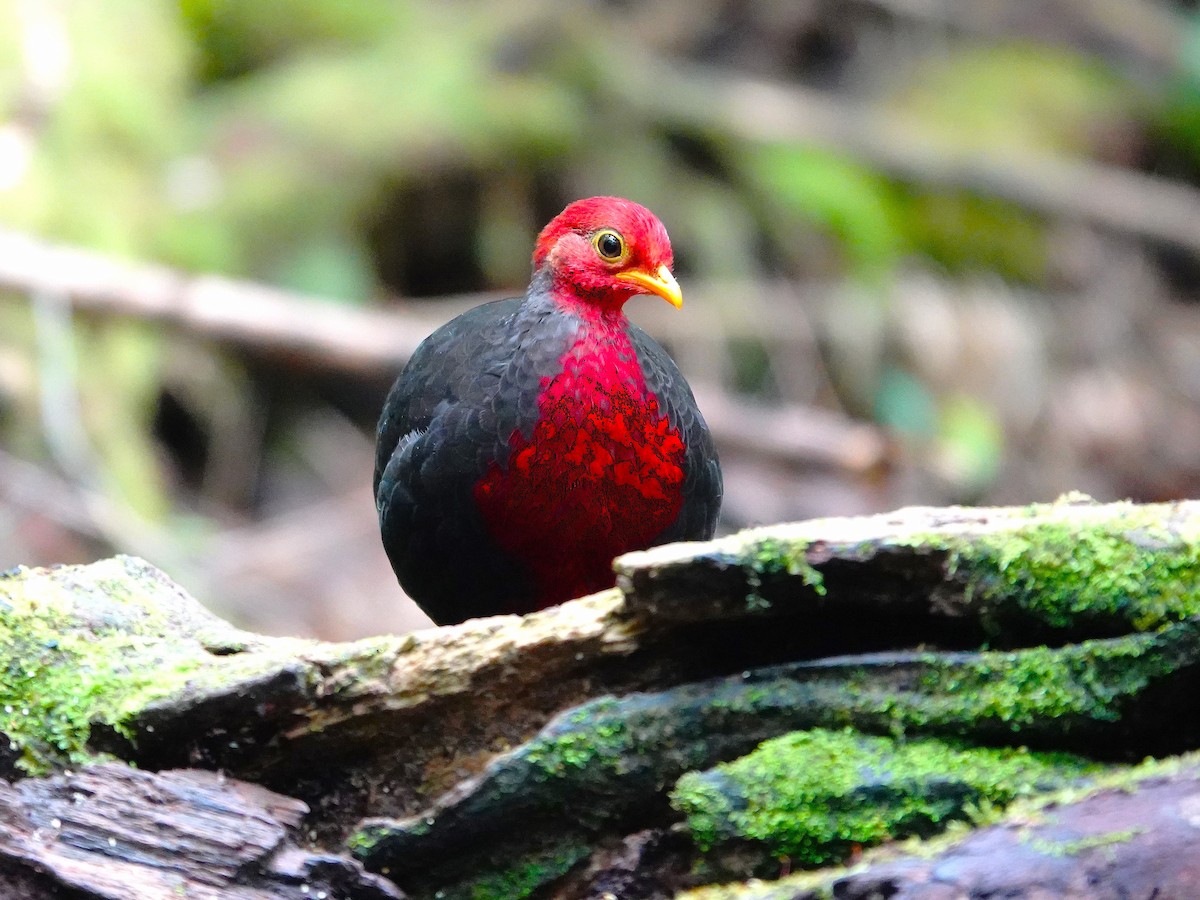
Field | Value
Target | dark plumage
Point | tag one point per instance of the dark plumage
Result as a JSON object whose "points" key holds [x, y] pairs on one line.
{"points": [[529, 441]]}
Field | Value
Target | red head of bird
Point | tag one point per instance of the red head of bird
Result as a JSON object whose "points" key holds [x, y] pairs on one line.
{"points": [[603, 250]]}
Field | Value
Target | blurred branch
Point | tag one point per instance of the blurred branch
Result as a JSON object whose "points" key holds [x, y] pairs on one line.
{"points": [[704, 97], [221, 309]]}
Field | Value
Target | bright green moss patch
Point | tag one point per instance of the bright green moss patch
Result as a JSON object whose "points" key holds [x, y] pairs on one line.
{"points": [[590, 738], [364, 841], [63, 671], [1133, 568], [1087, 681], [94, 645], [774, 556], [1029, 811], [54, 686], [812, 796]]}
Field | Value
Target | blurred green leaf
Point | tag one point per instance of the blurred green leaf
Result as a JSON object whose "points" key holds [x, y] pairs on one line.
{"points": [[236, 36], [338, 270], [846, 199], [1178, 118], [10, 57], [108, 126], [970, 442], [966, 233], [752, 371]]}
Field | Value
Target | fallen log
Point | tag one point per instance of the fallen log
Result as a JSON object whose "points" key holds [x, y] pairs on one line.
{"points": [[619, 742]]}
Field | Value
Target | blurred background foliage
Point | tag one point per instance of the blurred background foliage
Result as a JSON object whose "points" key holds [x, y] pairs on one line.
{"points": [[932, 252]]}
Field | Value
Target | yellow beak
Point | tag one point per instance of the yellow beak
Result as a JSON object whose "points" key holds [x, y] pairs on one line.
{"points": [[661, 282]]}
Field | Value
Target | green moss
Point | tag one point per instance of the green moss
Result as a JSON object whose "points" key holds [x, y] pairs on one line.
{"points": [[1072, 565], [594, 764], [363, 842], [59, 678], [1065, 569], [520, 880], [1053, 694], [1016, 688], [87, 646], [1049, 691], [593, 738], [768, 556], [812, 796], [494, 874], [1026, 810]]}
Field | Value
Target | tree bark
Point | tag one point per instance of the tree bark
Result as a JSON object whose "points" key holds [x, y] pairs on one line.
{"points": [[113, 831]]}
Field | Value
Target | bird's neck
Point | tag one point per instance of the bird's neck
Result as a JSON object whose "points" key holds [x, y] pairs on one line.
{"points": [[603, 308]]}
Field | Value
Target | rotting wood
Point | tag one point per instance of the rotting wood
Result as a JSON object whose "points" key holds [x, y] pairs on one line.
{"points": [[111, 831]]}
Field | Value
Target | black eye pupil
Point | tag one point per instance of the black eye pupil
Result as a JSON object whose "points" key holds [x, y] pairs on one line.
{"points": [[609, 246]]}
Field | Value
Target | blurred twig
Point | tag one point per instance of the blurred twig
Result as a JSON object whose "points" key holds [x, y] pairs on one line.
{"points": [[31, 488]]}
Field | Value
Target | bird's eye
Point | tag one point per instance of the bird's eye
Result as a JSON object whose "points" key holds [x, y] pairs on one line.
{"points": [[609, 245]]}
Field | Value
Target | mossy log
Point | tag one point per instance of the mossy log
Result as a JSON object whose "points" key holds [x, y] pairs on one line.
{"points": [[587, 748], [1132, 835]]}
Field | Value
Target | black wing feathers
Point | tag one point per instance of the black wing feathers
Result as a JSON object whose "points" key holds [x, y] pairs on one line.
{"points": [[443, 422], [449, 415]]}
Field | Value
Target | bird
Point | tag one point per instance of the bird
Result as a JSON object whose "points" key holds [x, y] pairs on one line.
{"points": [[530, 441]]}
